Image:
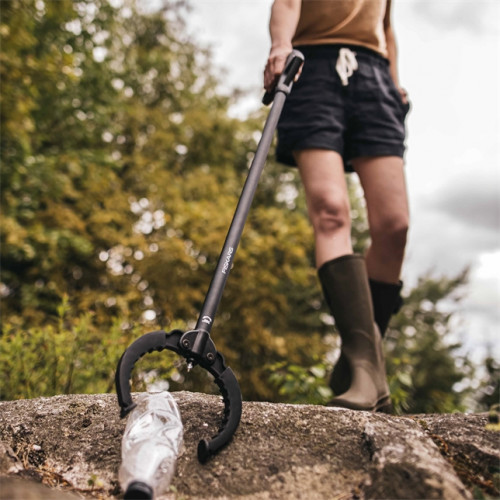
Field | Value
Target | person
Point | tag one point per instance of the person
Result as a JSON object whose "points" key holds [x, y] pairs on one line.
{"points": [[346, 114]]}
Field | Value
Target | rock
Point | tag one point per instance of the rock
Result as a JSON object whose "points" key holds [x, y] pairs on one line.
{"points": [[279, 451], [469, 446], [12, 488], [9, 463]]}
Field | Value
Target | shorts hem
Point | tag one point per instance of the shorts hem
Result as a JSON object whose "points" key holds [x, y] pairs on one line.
{"points": [[379, 150], [285, 156]]}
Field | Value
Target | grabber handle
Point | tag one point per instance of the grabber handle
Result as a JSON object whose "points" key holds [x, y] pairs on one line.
{"points": [[293, 63]]}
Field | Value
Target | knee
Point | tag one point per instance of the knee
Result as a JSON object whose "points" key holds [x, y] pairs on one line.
{"points": [[391, 233], [330, 215]]}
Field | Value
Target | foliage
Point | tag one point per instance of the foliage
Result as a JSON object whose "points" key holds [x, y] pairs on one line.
{"points": [[70, 356], [93, 100], [301, 385], [489, 393], [424, 367], [121, 170]]}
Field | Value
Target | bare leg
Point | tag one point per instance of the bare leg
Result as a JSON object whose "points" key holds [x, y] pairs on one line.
{"points": [[323, 177], [383, 182]]}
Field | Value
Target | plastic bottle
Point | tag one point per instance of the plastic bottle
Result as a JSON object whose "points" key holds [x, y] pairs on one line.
{"points": [[151, 443]]}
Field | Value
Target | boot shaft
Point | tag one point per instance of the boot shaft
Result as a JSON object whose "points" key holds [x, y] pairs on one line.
{"points": [[347, 292]]}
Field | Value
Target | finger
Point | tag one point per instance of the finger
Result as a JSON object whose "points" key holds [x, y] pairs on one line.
{"points": [[269, 77], [403, 94], [272, 72]]}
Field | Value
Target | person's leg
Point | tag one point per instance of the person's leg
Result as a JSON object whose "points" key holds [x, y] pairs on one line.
{"points": [[384, 185], [323, 178], [383, 181], [344, 281]]}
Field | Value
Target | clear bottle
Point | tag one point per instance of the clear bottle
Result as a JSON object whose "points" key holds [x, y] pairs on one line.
{"points": [[151, 443]]}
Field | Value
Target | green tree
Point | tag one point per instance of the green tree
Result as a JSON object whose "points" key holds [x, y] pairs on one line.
{"points": [[58, 171], [98, 104]]}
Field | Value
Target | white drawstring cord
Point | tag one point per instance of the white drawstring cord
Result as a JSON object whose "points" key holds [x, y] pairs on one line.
{"points": [[346, 65]]}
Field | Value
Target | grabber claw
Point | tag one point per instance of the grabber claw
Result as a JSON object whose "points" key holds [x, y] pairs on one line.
{"points": [[198, 348]]}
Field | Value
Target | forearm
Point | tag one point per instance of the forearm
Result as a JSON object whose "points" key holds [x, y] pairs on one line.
{"points": [[392, 51], [392, 54], [284, 18]]}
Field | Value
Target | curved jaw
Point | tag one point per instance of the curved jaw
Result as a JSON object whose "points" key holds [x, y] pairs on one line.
{"points": [[198, 348]]}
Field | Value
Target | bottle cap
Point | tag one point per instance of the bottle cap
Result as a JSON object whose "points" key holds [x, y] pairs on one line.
{"points": [[138, 490]]}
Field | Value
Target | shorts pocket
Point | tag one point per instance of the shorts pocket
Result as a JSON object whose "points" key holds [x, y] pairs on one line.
{"points": [[405, 107]]}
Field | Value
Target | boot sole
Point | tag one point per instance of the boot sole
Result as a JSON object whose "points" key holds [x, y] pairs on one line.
{"points": [[383, 405]]}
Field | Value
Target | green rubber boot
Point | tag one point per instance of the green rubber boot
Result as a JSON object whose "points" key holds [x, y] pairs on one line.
{"points": [[386, 300], [347, 291]]}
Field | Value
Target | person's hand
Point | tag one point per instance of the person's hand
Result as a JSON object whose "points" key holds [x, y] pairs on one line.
{"points": [[275, 65], [403, 94]]}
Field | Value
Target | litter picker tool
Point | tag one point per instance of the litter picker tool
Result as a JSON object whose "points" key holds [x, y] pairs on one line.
{"points": [[196, 346]]}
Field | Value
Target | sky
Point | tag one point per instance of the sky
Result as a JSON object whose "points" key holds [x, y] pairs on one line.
{"points": [[449, 62]]}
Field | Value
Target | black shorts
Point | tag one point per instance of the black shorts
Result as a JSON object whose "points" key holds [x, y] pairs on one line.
{"points": [[363, 118]]}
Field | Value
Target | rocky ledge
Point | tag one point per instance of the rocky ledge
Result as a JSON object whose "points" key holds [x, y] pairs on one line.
{"points": [[66, 447]]}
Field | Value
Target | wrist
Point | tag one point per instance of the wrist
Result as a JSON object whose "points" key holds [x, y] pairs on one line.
{"points": [[281, 46]]}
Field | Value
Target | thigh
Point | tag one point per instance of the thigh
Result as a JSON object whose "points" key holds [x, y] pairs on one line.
{"points": [[323, 178], [322, 174], [384, 184]]}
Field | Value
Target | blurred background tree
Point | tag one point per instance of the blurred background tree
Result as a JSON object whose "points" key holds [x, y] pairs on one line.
{"points": [[121, 169]]}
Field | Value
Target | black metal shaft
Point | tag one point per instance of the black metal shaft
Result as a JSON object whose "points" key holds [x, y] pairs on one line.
{"points": [[233, 237]]}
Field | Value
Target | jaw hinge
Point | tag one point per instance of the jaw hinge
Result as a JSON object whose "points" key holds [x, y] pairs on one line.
{"points": [[198, 348]]}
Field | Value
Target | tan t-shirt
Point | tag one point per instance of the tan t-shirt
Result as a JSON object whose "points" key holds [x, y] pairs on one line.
{"points": [[356, 22]]}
